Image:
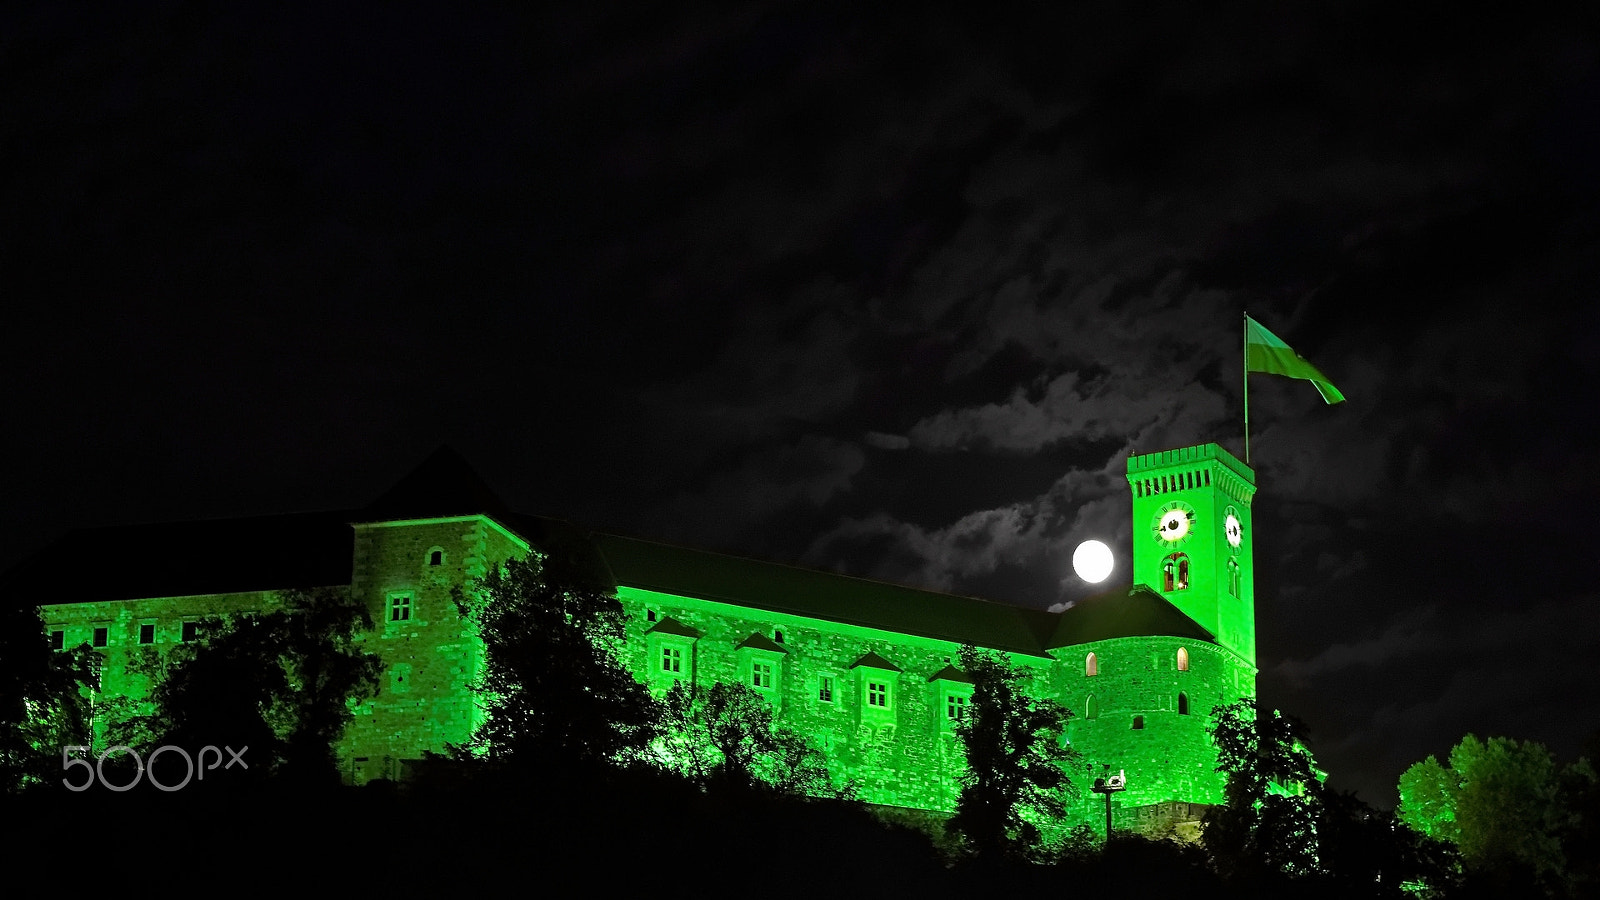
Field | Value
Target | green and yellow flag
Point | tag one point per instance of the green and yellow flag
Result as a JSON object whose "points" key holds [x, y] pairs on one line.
{"points": [[1265, 352]]}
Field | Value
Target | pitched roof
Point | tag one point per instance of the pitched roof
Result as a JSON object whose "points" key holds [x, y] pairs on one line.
{"points": [[187, 558], [951, 673], [669, 625], [669, 569], [1127, 611], [444, 484], [761, 642], [874, 661]]}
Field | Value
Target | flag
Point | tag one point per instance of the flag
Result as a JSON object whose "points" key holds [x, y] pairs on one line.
{"points": [[1265, 352]]}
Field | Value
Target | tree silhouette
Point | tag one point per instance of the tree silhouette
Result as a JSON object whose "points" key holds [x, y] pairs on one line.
{"points": [[1016, 775], [552, 687], [44, 700], [1269, 820], [280, 683], [724, 738]]}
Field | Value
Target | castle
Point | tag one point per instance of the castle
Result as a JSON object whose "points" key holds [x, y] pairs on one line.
{"points": [[869, 671]]}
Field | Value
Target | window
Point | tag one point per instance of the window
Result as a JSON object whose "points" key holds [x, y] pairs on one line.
{"points": [[1091, 708], [1183, 704], [1138, 723], [1091, 666], [147, 633], [649, 615], [672, 659], [878, 694], [436, 558], [400, 606], [777, 636], [825, 689], [102, 636], [761, 675], [1183, 660], [58, 639], [1233, 577], [1175, 572], [955, 707], [189, 631]]}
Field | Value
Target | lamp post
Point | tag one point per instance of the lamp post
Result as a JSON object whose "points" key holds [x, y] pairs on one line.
{"points": [[1109, 784]]}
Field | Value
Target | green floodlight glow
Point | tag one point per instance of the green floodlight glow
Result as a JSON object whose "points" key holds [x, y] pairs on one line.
{"points": [[879, 700]]}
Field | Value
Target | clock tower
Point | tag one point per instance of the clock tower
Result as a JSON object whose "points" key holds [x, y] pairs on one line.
{"points": [[1193, 540]]}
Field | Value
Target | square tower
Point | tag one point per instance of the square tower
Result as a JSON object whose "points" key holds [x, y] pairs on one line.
{"points": [[1192, 538]]}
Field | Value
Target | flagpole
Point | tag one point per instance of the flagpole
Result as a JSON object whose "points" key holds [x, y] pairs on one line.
{"points": [[1246, 361]]}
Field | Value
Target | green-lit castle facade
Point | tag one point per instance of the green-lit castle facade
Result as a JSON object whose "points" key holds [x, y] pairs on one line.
{"points": [[868, 670]]}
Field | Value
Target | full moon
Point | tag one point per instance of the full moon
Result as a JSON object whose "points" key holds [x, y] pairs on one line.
{"points": [[1092, 561]]}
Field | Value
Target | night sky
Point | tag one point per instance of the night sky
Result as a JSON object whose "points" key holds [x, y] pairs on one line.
{"points": [[888, 292]]}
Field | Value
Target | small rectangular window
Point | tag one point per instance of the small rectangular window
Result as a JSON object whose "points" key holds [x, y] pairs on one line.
{"points": [[58, 639], [825, 689], [671, 659], [400, 607], [102, 636], [955, 707], [878, 694], [761, 675], [190, 629], [147, 633]]}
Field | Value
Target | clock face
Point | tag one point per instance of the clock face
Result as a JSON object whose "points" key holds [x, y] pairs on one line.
{"points": [[1174, 523], [1233, 528]]}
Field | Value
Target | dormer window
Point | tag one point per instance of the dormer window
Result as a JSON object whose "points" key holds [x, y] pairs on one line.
{"points": [[761, 675], [1175, 572]]}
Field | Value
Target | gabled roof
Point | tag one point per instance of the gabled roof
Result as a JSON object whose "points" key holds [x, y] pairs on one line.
{"points": [[444, 484], [951, 673], [669, 625], [760, 642], [874, 661]]}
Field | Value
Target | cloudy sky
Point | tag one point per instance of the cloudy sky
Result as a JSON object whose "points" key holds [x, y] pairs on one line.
{"points": [[892, 294]]}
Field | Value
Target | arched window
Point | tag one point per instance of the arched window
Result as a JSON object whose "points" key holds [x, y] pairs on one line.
{"points": [[1183, 659], [1091, 709], [1183, 704], [1233, 577], [1175, 572], [1138, 723], [1091, 666], [777, 636]]}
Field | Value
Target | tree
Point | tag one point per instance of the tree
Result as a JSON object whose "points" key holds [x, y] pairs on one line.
{"points": [[552, 686], [1016, 775], [44, 700], [280, 683], [723, 738], [1497, 801], [1268, 822]]}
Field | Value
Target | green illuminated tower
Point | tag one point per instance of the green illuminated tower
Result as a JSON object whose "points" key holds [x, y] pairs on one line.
{"points": [[1192, 538]]}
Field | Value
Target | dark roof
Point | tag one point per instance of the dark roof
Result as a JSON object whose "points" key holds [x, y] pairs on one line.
{"points": [[951, 673], [311, 549], [443, 485], [176, 560], [874, 661], [760, 642], [1128, 611], [823, 595], [669, 625]]}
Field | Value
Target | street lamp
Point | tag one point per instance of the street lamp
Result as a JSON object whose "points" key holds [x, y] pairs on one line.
{"points": [[1109, 784]]}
